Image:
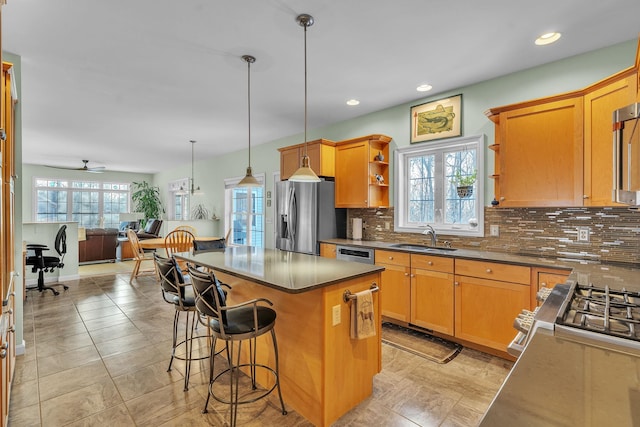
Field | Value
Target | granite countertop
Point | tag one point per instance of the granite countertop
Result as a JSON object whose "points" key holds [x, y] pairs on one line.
{"points": [[286, 271], [600, 274]]}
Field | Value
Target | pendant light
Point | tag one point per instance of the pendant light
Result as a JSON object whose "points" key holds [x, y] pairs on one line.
{"points": [[249, 180], [305, 173], [192, 189]]}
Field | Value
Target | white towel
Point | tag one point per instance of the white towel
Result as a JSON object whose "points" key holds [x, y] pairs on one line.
{"points": [[363, 319]]}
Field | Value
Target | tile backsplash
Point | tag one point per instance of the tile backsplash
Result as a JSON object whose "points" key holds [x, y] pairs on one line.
{"points": [[613, 233]]}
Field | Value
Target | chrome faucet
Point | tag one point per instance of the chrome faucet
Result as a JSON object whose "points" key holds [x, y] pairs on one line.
{"points": [[431, 233]]}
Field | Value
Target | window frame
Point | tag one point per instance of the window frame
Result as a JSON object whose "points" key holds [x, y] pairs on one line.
{"points": [[71, 186], [230, 184], [401, 194]]}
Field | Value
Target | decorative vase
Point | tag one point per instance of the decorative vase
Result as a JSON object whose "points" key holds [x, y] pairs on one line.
{"points": [[379, 157], [465, 191]]}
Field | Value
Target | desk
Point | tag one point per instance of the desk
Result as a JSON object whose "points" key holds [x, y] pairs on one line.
{"points": [[323, 373]]}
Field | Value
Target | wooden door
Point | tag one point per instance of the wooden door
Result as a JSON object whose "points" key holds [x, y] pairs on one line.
{"points": [[396, 284], [599, 106], [352, 175], [541, 155], [289, 162], [485, 310], [432, 300]]}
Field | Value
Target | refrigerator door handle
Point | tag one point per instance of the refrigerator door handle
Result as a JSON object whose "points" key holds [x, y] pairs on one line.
{"points": [[293, 215]]}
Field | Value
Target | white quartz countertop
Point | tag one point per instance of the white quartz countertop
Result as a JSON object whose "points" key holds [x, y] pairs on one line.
{"points": [[287, 271]]}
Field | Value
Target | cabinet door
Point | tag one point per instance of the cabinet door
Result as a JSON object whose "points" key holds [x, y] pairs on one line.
{"points": [[545, 279], [352, 175], [485, 310], [598, 158], [289, 162], [327, 250], [432, 300], [541, 155], [395, 297]]}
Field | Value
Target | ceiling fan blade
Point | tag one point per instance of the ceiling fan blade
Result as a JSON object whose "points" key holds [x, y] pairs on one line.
{"points": [[85, 168]]}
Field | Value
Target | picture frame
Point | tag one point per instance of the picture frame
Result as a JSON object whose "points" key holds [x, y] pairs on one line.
{"points": [[437, 119]]}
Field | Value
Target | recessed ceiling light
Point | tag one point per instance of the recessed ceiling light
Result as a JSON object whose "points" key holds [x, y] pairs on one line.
{"points": [[548, 38], [424, 88], [353, 102]]}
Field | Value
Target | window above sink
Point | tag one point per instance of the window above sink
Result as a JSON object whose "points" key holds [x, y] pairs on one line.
{"points": [[427, 194]]}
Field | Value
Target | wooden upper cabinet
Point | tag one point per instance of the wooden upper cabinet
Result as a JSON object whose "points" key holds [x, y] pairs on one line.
{"points": [[599, 104], [540, 154], [321, 154], [362, 172]]}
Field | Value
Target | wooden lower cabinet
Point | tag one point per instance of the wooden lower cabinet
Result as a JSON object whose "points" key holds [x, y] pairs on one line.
{"points": [[327, 250], [432, 294], [545, 278], [396, 284], [7, 354], [487, 304]]}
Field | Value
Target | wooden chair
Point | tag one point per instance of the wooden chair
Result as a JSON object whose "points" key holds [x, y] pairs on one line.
{"points": [[178, 241], [139, 255], [188, 228]]}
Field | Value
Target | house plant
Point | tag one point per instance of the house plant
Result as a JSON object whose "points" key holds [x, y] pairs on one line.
{"points": [[464, 183], [146, 199]]}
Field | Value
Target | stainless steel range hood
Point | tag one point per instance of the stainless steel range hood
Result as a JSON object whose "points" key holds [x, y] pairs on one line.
{"points": [[626, 155]]}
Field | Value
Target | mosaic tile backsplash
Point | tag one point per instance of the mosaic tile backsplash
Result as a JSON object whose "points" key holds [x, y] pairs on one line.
{"points": [[614, 233]]}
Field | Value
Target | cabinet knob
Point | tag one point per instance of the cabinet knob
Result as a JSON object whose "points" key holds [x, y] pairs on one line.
{"points": [[412, 275], [488, 270], [390, 257], [456, 283], [10, 311], [406, 274], [4, 346], [430, 263], [584, 196], [3, 354], [12, 329], [502, 199], [543, 284]]}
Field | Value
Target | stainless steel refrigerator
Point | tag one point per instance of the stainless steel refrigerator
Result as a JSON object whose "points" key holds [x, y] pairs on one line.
{"points": [[306, 214]]}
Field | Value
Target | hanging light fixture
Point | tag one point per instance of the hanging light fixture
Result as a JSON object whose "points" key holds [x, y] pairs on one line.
{"points": [[305, 173], [192, 189], [249, 180]]}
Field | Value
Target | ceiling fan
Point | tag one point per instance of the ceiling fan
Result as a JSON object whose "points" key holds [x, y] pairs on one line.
{"points": [[85, 168]]}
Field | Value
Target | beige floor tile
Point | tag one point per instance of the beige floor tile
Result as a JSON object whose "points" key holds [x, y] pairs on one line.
{"points": [[122, 344], [26, 370], [80, 403], [131, 361], [62, 361], [25, 395], [28, 416], [106, 322], [146, 380], [57, 345], [109, 333], [72, 379], [99, 313], [116, 416], [163, 404]]}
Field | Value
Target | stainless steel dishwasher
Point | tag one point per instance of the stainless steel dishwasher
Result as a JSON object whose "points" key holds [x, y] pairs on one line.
{"points": [[350, 253]]}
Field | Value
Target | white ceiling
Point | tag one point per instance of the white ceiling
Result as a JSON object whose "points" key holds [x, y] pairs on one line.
{"points": [[127, 83]]}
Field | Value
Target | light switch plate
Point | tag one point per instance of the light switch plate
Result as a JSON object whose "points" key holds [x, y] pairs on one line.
{"points": [[494, 230], [336, 314]]}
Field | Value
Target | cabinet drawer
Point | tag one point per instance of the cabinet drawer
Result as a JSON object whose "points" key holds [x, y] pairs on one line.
{"points": [[433, 263], [392, 257], [493, 271]]}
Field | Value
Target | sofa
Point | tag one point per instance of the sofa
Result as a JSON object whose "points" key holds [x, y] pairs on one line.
{"points": [[99, 245], [151, 229]]}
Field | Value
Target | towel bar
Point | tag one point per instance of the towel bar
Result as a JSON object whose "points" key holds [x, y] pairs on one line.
{"points": [[348, 296]]}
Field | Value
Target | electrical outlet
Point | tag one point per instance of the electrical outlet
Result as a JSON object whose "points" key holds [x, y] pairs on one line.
{"points": [[494, 230], [387, 225], [336, 314], [583, 234]]}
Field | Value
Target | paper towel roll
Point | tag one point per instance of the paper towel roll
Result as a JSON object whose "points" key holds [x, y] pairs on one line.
{"points": [[356, 228]]}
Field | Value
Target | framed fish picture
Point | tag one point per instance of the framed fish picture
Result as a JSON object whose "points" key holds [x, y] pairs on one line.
{"points": [[437, 119]]}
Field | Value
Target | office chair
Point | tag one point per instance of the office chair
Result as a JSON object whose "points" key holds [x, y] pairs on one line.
{"points": [[42, 264]]}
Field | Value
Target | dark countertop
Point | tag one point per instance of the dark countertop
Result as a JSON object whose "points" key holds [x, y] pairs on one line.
{"points": [[616, 276], [286, 271]]}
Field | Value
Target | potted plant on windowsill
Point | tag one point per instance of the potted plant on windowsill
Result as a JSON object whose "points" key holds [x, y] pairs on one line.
{"points": [[464, 184], [146, 199]]}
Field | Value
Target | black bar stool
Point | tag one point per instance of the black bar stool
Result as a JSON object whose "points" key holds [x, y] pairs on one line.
{"points": [[237, 323], [176, 291]]}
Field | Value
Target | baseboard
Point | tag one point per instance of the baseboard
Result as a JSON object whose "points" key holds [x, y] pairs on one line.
{"points": [[21, 348], [34, 281]]}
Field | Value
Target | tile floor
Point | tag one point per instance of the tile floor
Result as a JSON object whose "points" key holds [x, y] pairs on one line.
{"points": [[97, 355]]}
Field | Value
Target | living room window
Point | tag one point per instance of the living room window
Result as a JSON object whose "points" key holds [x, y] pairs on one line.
{"points": [[430, 177], [244, 212], [91, 203]]}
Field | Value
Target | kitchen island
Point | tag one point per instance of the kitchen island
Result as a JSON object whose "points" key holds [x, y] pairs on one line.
{"points": [[323, 372]]}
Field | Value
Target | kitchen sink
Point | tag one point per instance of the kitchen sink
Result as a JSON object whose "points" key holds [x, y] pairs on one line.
{"points": [[421, 248]]}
